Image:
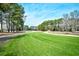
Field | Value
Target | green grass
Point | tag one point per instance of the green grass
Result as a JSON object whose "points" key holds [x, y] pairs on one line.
{"points": [[41, 44]]}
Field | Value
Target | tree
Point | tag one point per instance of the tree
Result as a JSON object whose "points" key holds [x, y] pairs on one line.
{"points": [[65, 17], [14, 16], [71, 20], [74, 17], [18, 17], [52, 25], [1, 20]]}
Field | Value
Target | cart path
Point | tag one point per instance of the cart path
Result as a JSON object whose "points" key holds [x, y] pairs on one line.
{"points": [[61, 34], [6, 37]]}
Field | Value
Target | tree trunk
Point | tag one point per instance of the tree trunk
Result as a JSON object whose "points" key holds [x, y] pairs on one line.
{"points": [[13, 27], [9, 26], [1, 26], [7, 23]]}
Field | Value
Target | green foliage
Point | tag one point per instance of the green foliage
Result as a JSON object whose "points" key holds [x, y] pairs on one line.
{"points": [[50, 25], [15, 17], [69, 22]]}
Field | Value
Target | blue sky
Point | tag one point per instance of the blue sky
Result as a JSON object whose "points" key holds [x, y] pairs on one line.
{"points": [[39, 12]]}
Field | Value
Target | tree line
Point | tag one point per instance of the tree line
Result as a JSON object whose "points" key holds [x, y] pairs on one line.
{"points": [[69, 22], [12, 15]]}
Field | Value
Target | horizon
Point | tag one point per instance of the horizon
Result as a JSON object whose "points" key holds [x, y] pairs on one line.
{"points": [[39, 12]]}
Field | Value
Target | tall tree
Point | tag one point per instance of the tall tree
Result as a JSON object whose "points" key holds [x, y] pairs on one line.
{"points": [[1, 20], [65, 16], [14, 15]]}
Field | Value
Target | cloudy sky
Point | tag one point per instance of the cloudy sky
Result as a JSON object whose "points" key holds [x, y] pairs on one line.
{"points": [[37, 13]]}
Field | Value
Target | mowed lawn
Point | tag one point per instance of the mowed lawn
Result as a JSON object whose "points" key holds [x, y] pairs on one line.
{"points": [[41, 44]]}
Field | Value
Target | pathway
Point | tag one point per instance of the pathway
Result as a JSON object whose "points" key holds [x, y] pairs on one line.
{"points": [[61, 34], [8, 36]]}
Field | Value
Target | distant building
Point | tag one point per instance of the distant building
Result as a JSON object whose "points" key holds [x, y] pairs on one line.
{"points": [[33, 27]]}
